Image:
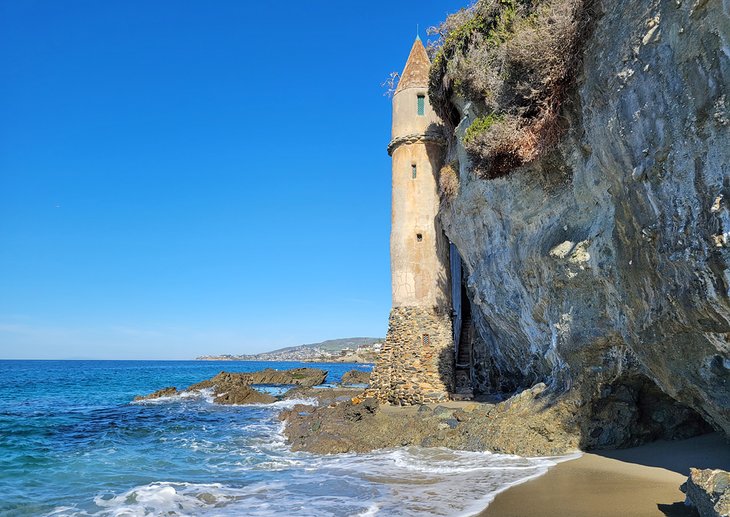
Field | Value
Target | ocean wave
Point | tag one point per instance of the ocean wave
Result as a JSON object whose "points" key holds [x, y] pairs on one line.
{"points": [[237, 462], [205, 394], [290, 403], [168, 498], [405, 482]]}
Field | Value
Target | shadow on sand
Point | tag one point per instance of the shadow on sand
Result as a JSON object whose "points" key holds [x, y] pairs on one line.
{"points": [[710, 451]]}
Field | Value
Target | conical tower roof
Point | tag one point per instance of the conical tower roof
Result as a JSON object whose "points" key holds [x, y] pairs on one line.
{"points": [[416, 71]]}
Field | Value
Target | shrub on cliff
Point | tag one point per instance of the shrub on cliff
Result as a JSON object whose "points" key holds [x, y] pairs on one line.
{"points": [[514, 60], [449, 181]]}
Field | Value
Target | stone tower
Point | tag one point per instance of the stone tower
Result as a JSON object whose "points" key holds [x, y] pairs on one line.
{"points": [[416, 362]]}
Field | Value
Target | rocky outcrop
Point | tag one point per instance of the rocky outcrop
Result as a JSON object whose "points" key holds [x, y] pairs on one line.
{"points": [[170, 391], [306, 377], [356, 377], [709, 492], [532, 423], [235, 388], [601, 269], [240, 394], [228, 388]]}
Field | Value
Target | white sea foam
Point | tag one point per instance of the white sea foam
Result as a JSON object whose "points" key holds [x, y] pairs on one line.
{"points": [[407, 482], [257, 474], [281, 404], [205, 394], [290, 403], [165, 498], [371, 511]]}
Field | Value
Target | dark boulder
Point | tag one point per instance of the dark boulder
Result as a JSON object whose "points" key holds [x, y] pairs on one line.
{"points": [[708, 491], [356, 377], [243, 395]]}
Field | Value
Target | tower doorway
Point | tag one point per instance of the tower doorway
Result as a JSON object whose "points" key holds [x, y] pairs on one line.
{"points": [[463, 329]]}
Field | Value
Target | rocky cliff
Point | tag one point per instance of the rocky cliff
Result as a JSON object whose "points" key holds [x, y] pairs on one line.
{"points": [[600, 266]]}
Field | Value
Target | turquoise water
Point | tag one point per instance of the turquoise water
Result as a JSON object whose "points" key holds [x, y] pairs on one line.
{"points": [[71, 443]]}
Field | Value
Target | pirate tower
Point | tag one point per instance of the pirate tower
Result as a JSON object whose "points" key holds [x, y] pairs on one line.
{"points": [[416, 363]]}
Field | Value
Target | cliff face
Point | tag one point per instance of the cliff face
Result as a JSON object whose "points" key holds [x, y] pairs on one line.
{"points": [[602, 267]]}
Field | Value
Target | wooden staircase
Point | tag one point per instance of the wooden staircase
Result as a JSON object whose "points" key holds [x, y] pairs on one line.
{"points": [[463, 386]]}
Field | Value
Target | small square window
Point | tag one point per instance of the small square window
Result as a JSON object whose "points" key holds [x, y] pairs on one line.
{"points": [[413, 171], [421, 105], [419, 237]]}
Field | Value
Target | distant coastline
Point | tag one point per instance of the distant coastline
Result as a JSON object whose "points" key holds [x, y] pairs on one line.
{"points": [[347, 359], [345, 350]]}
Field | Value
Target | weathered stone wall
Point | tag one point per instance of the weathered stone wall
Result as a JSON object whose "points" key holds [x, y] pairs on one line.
{"points": [[416, 363]]}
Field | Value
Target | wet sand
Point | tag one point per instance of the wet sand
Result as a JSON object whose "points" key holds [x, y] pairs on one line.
{"points": [[639, 482]]}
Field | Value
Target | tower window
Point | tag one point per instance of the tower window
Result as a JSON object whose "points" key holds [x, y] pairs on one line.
{"points": [[419, 237], [421, 105], [425, 339], [413, 171]]}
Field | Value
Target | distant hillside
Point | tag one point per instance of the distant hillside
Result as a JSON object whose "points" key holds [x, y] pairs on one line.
{"points": [[335, 345], [353, 349]]}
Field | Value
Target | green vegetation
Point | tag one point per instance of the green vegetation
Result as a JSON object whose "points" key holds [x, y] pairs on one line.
{"points": [[481, 126], [515, 61]]}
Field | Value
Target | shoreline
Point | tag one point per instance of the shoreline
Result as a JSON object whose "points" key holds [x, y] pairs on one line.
{"points": [[478, 508], [638, 482]]}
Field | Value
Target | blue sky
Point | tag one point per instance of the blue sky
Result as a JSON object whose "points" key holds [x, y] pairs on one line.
{"points": [[184, 177]]}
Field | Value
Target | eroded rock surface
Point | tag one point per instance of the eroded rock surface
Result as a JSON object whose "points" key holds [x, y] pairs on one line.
{"points": [[233, 388], [241, 394], [602, 269], [296, 376], [709, 492], [529, 424]]}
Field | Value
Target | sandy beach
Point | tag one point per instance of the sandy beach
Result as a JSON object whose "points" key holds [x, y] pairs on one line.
{"points": [[638, 482]]}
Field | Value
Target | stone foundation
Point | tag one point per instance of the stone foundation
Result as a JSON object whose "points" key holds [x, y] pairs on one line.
{"points": [[416, 363]]}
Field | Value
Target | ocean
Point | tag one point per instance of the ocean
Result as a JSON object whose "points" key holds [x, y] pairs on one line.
{"points": [[73, 444]]}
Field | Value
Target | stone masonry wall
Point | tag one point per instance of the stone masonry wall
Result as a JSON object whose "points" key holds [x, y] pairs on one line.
{"points": [[416, 363]]}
